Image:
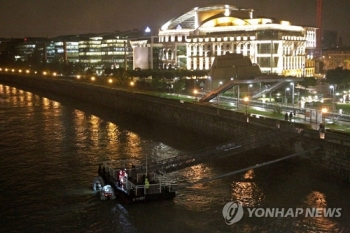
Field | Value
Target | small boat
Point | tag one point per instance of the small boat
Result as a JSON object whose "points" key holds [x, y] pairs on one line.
{"points": [[134, 186], [97, 183], [107, 193]]}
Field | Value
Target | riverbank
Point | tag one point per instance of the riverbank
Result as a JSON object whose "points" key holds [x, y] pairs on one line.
{"points": [[210, 122]]}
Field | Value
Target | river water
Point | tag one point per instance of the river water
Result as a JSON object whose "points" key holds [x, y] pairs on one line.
{"points": [[50, 147]]}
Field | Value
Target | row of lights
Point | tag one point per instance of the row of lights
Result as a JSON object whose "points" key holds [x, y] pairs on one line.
{"points": [[27, 71], [45, 73], [93, 78]]}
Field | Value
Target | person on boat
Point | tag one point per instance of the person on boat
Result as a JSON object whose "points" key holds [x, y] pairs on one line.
{"points": [[146, 184]]}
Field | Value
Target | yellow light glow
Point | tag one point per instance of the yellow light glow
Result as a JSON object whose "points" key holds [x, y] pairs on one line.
{"points": [[54, 74], [0, 69], [92, 78], [246, 99], [285, 23], [27, 71], [44, 73], [78, 76], [20, 71], [13, 70], [110, 80], [132, 83]]}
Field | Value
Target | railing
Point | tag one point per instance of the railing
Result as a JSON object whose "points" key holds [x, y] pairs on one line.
{"points": [[224, 150]]}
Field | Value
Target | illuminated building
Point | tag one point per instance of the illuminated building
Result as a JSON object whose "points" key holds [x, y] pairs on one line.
{"points": [[31, 49], [193, 39]]}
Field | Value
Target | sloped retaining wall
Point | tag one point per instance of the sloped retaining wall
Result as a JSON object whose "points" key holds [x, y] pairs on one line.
{"points": [[333, 155]]}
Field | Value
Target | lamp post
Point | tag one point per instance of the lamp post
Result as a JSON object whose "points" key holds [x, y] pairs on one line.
{"points": [[332, 93], [324, 111], [132, 85], [292, 93], [322, 128], [285, 95], [195, 92], [233, 90], [246, 99]]}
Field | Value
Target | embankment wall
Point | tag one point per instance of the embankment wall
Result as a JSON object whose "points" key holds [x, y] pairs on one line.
{"points": [[333, 154]]}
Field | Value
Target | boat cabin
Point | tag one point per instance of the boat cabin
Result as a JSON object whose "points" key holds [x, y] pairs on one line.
{"points": [[125, 177]]}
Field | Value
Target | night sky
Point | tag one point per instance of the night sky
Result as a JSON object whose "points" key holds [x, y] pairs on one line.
{"points": [[50, 18]]}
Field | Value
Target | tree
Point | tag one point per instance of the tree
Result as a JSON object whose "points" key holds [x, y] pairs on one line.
{"points": [[338, 76], [179, 85], [308, 82], [156, 83]]}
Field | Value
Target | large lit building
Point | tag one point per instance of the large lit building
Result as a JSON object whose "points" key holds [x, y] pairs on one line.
{"points": [[336, 57], [192, 40]]}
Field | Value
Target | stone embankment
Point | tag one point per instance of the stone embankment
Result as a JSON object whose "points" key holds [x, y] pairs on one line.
{"points": [[224, 125]]}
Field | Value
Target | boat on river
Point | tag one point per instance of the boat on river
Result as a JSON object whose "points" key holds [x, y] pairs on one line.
{"points": [[107, 193], [132, 185]]}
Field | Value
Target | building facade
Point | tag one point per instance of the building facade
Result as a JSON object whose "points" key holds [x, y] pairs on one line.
{"points": [[193, 39], [336, 57]]}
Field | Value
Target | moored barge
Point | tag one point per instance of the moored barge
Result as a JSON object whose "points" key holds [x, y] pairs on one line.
{"points": [[135, 186]]}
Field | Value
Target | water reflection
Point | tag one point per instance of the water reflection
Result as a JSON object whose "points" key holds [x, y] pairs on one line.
{"points": [[316, 202], [247, 192]]}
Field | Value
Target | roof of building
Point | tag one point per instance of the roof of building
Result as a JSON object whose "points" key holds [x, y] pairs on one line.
{"points": [[197, 16]]}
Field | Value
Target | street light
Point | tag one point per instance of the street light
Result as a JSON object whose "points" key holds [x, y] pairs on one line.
{"points": [[322, 128], [324, 111], [132, 84], [246, 99], [195, 92], [332, 88], [292, 93], [285, 95], [249, 86]]}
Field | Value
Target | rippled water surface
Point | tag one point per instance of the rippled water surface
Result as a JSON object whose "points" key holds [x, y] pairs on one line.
{"points": [[50, 147]]}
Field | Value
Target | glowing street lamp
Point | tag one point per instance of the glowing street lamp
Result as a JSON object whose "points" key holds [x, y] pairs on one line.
{"points": [[285, 95], [249, 86], [132, 84], [246, 99], [324, 111], [332, 88], [292, 93], [322, 128], [195, 92], [110, 80]]}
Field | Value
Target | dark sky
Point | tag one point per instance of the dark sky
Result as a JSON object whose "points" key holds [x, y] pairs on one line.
{"points": [[41, 18]]}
